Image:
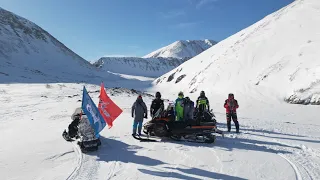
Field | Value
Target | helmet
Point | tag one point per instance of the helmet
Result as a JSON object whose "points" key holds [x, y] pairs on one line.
{"points": [[231, 95], [158, 94], [180, 94], [202, 93], [139, 97]]}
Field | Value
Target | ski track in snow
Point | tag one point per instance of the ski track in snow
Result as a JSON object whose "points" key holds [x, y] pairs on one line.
{"points": [[300, 160], [79, 155], [298, 174]]}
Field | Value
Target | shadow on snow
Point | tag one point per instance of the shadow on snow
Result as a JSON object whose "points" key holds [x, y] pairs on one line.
{"points": [[191, 171], [114, 150]]}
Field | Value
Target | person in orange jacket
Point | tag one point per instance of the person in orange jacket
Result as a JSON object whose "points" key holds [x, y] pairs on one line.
{"points": [[231, 106]]}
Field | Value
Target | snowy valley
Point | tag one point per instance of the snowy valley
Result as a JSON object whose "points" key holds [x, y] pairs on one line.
{"points": [[271, 67]]}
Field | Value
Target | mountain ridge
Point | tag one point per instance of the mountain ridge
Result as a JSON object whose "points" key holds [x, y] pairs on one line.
{"points": [[182, 49], [149, 67]]}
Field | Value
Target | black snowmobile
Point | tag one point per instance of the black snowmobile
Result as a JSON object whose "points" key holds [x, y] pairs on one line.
{"points": [[201, 128], [81, 130]]}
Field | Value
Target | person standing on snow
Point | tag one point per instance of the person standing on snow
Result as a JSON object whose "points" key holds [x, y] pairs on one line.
{"points": [[156, 104], [202, 103], [138, 111], [179, 105], [188, 109], [231, 106]]}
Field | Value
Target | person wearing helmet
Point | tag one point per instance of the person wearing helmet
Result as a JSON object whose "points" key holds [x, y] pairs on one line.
{"points": [[202, 103], [156, 104], [138, 111], [179, 105], [231, 106]]}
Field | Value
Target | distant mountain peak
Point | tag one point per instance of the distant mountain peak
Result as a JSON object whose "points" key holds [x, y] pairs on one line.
{"points": [[182, 49]]}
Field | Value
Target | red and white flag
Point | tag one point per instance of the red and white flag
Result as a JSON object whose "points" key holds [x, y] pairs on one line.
{"points": [[108, 109]]}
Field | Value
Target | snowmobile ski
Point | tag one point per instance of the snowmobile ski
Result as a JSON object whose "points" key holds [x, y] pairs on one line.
{"points": [[144, 139]]}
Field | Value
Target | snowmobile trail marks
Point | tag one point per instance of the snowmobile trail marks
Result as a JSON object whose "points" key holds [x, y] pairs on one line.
{"points": [[87, 166], [298, 174], [301, 159], [75, 172]]}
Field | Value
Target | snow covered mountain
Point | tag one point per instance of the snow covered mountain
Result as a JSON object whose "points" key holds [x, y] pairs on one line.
{"points": [[30, 54], [156, 63], [275, 58], [148, 67], [183, 49]]}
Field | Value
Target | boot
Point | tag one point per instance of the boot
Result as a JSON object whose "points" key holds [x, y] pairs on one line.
{"points": [[237, 126], [229, 125], [139, 129]]}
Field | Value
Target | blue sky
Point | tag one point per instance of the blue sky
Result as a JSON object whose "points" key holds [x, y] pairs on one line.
{"points": [[137, 27]]}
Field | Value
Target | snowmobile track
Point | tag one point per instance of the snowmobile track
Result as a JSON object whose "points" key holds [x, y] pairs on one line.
{"points": [[301, 160], [79, 154], [297, 172]]}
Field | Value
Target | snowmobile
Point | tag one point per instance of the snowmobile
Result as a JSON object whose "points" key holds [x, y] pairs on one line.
{"points": [[201, 128], [81, 130]]}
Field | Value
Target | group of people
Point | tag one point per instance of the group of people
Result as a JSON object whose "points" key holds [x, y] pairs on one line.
{"points": [[183, 109]]}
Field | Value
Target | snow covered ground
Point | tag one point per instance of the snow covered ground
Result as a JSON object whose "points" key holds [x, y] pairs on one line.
{"points": [[281, 145]]}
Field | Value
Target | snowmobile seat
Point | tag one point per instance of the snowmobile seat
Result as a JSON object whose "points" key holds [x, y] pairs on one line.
{"points": [[177, 125], [208, 123]]}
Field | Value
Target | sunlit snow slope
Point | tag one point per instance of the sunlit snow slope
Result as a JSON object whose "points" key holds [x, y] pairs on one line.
{"points": [[277, 58], [183, 49]]}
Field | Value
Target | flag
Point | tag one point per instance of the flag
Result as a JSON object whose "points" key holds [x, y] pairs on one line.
{"points": [[90, 109], [108, 109]]}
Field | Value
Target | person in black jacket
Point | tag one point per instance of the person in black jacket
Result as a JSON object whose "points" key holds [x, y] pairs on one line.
{"points": [[156, 104], [202, 103]]}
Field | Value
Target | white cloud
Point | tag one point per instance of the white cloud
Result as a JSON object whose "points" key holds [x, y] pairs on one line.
{"points": [[172, 14], [185, 25], [204, 2]]}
